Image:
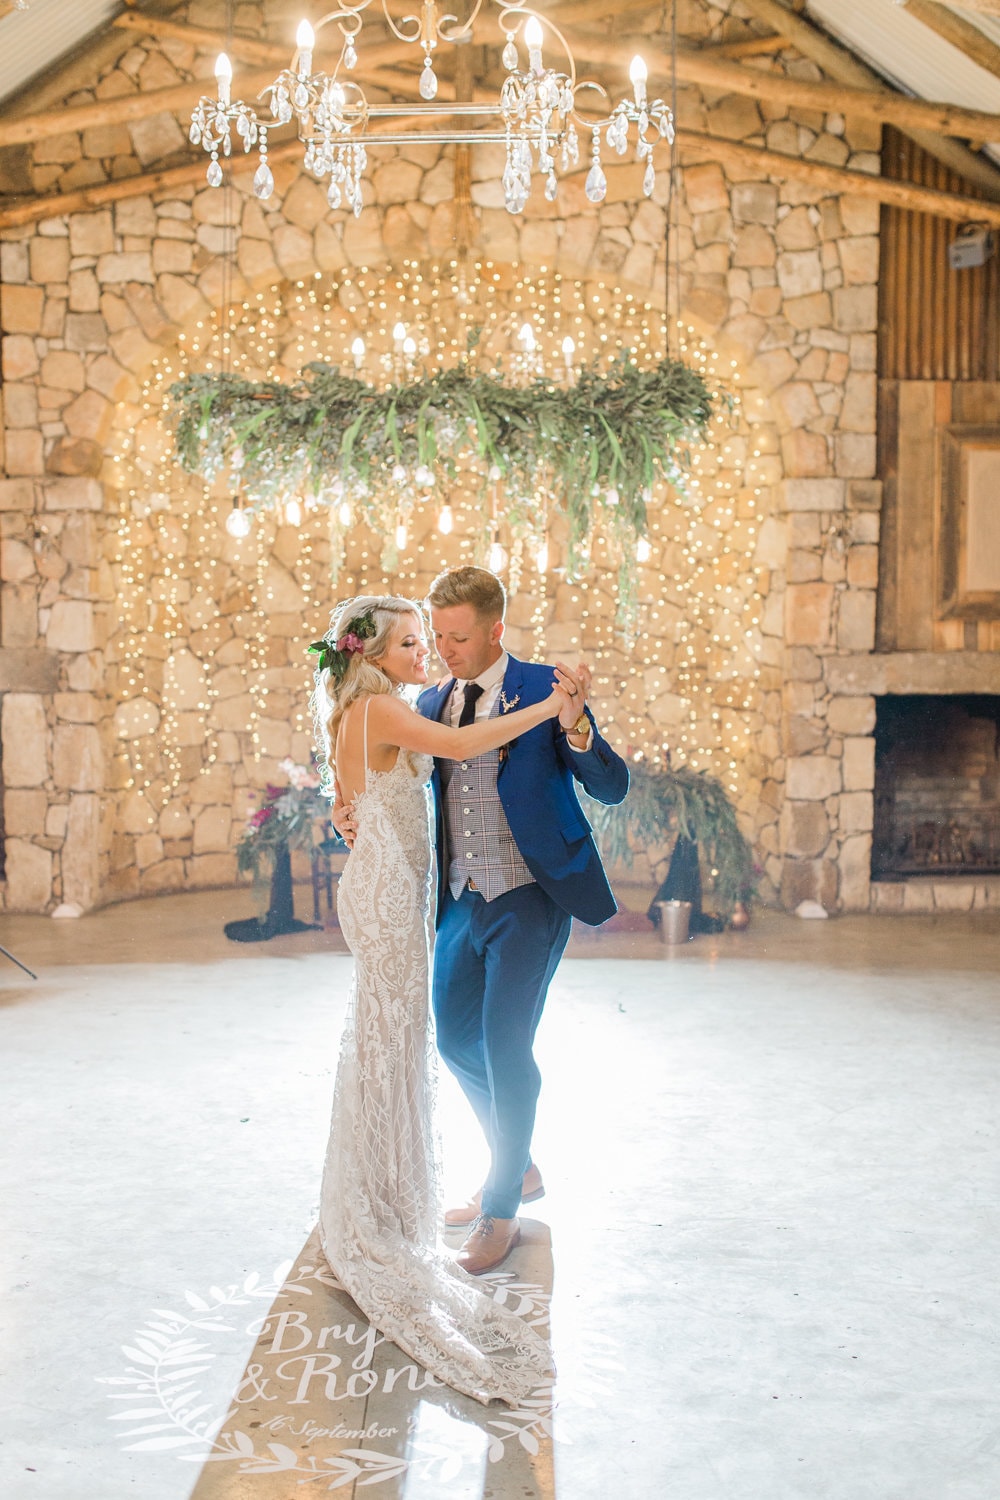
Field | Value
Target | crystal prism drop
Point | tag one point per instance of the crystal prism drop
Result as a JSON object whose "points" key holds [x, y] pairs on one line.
{"points": [[350, 57], [649, 179], [509, 55], [596, 185], [194, 134], [263, 181], [551, 187], [214, 174], [333, 195], [301, 96], [428, 83]]}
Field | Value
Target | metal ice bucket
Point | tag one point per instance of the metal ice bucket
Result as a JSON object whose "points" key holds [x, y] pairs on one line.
{"points": [[674, 919]]}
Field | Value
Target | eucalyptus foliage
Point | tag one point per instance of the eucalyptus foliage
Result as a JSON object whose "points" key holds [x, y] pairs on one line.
{"points": [[663, 803], [329, 434]]}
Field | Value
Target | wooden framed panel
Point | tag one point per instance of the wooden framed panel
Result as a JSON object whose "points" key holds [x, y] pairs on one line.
{"points": [[968, 551]]}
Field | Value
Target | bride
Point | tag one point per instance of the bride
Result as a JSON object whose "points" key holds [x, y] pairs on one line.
{"points": [[378, 1201]]}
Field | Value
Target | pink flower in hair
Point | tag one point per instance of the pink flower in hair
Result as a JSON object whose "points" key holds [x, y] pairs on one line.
{"points": [[351, 643]]}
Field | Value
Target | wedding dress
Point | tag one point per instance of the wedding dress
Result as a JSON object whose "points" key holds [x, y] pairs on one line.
{"points": [[378, 1201]]}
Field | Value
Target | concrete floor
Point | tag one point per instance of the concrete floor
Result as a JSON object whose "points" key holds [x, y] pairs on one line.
{"points": [[770, 1234]]}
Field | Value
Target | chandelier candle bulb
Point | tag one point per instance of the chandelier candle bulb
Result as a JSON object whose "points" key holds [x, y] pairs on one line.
{"points": [[224, 78], [358, 351], [446, 521], [533, 38], [305, 41], [637, 77]]}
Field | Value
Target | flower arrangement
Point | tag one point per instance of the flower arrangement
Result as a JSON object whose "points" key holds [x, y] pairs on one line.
{"points": [[287, 816]]}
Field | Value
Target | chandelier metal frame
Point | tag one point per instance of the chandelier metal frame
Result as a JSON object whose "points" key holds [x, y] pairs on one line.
{"points": [[538, 113]]}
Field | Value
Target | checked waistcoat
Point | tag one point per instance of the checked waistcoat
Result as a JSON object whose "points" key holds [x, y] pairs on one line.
{"points": [[480, 845]]}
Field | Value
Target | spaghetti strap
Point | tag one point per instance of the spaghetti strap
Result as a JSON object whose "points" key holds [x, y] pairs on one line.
{"points": [[368, 704]]}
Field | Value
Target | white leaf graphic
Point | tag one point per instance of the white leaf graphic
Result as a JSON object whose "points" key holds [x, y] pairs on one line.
{"points": [[152, 1427], [198, 1303], [528, 1440], [251, 1281], [133, 1416], [137, 1356], [160, 1444]]}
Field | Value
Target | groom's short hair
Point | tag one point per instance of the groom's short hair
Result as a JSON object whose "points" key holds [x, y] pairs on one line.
{"points": [[476, 586]]}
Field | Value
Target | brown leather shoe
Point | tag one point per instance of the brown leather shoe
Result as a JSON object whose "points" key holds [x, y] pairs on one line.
{"points": [[489, 1244], [532, 1188]]}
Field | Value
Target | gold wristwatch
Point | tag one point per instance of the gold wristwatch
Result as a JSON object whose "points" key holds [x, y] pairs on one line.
{"points": [[582, 726]]}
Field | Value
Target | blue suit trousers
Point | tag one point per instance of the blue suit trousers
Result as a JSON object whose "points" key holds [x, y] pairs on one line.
{"points": [[493, 961]]}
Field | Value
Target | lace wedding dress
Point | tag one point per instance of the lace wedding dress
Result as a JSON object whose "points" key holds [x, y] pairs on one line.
{"points": [[378, 1202]]}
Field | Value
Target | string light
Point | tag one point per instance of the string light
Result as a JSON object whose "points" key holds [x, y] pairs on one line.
{"points": [[690, 680]]}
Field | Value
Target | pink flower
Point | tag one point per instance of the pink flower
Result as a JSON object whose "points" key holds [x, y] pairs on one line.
{"points": [[260, 817], [351, 643]]}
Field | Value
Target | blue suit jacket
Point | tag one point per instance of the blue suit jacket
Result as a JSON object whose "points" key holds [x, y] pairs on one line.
{"points": [[535, 783]]}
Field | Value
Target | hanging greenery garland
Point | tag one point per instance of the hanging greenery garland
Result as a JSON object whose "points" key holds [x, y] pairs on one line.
{"points": [[595, 446]]}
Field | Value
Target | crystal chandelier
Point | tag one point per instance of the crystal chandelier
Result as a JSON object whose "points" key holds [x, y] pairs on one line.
{"points": [[537, 115]]}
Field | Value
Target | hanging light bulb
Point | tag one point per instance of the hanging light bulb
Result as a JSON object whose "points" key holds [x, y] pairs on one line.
{"points": [[293, 513], [358, 351], [526, 338], [401, 535], [345, 514], [237, 521], [399, 333], [642, 549], [497, 558], [568, 350], [409, 347], [542, 557], [446, 520]]}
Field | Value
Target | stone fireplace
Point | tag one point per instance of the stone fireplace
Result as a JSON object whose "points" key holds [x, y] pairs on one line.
{"points": [[937, 786]]}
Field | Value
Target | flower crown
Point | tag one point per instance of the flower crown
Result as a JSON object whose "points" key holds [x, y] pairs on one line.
{"points": [[335, 658]]}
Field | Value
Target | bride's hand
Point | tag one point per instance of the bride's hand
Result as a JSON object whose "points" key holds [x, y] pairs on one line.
{"points": [[561, 699]]}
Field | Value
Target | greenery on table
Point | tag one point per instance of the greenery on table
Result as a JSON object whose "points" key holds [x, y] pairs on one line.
{"points": [[663, 803], [597, 445]]}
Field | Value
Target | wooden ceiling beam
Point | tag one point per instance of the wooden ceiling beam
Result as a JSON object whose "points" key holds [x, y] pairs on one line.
{"points": [[730, 78], [834, 180], [943, 21], [838, 63], [830, 180]]}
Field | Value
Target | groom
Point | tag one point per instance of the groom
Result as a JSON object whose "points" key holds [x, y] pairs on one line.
{"points": [[516, 863]]}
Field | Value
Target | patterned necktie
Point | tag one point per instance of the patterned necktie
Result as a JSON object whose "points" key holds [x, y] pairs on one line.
{"points": [[473, 693]]}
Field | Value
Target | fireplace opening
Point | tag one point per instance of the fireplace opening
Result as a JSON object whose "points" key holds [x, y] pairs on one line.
{"points": [[937, 785]]}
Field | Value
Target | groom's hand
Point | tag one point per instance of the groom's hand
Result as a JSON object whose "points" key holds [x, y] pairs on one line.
{"points": [[576, 685], [342, 818]]}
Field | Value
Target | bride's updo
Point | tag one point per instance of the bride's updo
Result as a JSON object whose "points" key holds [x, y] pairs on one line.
{"points": [[347, 671]]}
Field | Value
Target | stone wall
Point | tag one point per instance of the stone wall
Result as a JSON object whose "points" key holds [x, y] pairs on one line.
{"points": [[779, 280]]}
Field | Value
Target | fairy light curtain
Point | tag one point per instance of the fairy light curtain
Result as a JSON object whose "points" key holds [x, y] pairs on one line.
{"points": [[214, 626]]}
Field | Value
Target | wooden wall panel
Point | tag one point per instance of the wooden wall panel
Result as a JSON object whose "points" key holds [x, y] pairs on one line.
{"points": [[914, 422], [934, 323]]}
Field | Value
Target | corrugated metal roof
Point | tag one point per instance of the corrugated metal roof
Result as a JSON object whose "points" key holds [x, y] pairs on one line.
{"points": [[910, 55], [32, 40]]}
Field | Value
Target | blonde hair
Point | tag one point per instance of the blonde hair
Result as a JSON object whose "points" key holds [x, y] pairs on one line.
{"points": [[329, 702], [476, 586]]}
